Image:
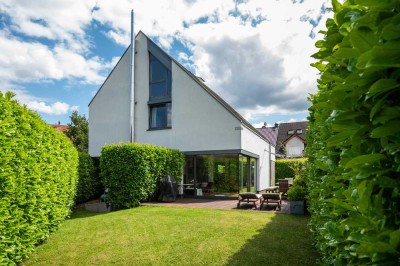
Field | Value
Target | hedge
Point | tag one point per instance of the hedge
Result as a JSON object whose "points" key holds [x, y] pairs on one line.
{"points": [[87, 181], [38, 173], [288, 168], [354, 136], [131, 171]]}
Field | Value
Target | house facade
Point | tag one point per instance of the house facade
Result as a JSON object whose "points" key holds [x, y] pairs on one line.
{"points": [[288, 138], [173, 108]]}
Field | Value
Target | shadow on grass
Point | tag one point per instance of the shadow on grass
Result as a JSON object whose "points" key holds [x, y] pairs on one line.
{"points": [[80, 213], [273, 245]]}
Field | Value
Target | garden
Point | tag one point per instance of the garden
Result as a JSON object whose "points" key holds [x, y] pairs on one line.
{"points": [[352, 176]]}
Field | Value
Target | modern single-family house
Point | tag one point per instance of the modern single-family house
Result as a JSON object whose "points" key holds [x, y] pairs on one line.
{"points": [[166, 105]]}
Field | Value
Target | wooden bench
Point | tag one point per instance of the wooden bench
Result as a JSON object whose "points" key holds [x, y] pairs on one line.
{"points": [[249, 197], [271, 197]]}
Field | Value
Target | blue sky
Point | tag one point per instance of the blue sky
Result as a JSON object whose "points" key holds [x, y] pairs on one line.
{"points": [[255, 54]]}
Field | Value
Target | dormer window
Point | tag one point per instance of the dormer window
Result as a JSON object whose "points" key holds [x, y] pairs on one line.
{"points": [[299, 131], [290, 132]]}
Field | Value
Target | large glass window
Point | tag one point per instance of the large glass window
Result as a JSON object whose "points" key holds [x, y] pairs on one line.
{"points": [[160, 80], [219, 175], [160, 105]]}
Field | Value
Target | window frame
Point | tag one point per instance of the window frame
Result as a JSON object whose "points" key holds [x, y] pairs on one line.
{"points": [[164, 100]]}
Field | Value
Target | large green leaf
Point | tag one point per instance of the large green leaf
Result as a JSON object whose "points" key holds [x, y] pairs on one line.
{"points": [[389, 129], [365, 159]]}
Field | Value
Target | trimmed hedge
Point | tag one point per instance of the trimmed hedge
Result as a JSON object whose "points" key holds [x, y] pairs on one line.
{"points": [[87, 182], [131, 171], [38, 173], [354, 136], [290, 167]]}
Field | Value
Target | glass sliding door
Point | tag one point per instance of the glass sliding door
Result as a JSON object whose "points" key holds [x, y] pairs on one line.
{"points": [[219, 175]]}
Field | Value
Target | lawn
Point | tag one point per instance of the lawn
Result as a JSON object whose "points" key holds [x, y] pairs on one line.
{"points": [[178, 236]]}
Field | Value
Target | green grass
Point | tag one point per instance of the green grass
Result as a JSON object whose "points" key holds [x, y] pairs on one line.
{"points": [[178, 236]]}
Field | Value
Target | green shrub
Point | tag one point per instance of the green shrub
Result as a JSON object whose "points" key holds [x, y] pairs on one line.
{"points": [[131, 171], [38, 173], [299, 189], [354, 136], [290, 167], [87, 182]]}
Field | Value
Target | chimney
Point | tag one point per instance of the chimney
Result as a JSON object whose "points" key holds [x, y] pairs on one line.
{"points": [[276, 125], [265, 124]]}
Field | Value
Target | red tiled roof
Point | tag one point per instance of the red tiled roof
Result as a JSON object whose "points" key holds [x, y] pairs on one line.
{"points": [[60, 128]]}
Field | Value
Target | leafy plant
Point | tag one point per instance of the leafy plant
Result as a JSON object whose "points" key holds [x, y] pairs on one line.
{"points": [[38, 173], [87, 181], [78, 131], [354, 140], [131, 171], [290, 167]]}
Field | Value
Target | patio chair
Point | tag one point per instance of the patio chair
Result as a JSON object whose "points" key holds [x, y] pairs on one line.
{"points": [[271, 197], [249, 197], [283, 186]]}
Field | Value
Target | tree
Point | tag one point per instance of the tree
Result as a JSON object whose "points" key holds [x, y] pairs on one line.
{"points": [[78, 131]]}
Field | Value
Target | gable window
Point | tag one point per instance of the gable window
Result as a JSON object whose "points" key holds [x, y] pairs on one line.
{"points": [[160, 80], [160, 102], [290, 132], [299, 131]]}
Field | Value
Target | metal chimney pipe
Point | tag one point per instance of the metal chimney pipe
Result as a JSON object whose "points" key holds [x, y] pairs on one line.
{"points": [[132, 79]]}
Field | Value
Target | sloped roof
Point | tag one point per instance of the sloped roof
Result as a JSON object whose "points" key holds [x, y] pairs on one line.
{"points": [[199, 81], [214, 95], [60, 128], [270, 133], [284, 128]]}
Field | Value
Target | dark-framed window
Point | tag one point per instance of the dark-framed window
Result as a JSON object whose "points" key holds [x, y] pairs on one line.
{"points": [[160, 101], [160, 80], [160, 116]]}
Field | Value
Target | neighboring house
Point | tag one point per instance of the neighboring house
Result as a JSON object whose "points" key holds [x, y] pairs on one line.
{"points": [[288, 138], [59, 127], [224, 153]]}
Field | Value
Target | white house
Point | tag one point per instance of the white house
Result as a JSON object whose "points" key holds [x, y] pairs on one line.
{"points": [[171, 107]]}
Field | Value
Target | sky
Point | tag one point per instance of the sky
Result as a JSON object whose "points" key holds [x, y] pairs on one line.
{"points": [[55, 54]]}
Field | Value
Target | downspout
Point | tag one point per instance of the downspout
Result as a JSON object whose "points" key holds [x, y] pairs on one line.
{"points": [[132, 80]]}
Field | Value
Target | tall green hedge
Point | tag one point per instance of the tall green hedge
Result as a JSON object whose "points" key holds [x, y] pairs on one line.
{"points": [[38, 173], [87, 181], [354, 136], [290, 168], [131, 171]]}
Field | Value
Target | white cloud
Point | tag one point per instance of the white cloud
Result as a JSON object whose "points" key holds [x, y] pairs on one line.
{"points": [[61, 20], [57, 108], [255, 54], [33, 62]]}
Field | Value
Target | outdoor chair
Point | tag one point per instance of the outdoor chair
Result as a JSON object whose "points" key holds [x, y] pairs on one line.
{"points": [[283, 186], [271, 197], [249, 197]]}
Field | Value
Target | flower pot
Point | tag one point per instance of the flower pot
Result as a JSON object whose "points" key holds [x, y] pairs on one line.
{"points": [[296, 207]]}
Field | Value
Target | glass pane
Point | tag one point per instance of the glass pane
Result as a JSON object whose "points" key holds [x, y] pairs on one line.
{"points": [[157, 90], [169, 114], [158, 117], [157, 71], [252, 175], [217, 175]]}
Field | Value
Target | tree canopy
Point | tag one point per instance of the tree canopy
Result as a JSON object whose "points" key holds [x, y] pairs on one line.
{"points": [[78, 131]]}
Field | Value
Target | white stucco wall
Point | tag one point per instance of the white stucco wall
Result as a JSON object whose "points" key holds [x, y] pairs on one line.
{"points": [[109, 111], [199, 122], [294, 147], [252, 143]]}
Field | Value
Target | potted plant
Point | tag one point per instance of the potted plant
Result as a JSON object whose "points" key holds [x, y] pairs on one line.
{"points": [[297, 195]]}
